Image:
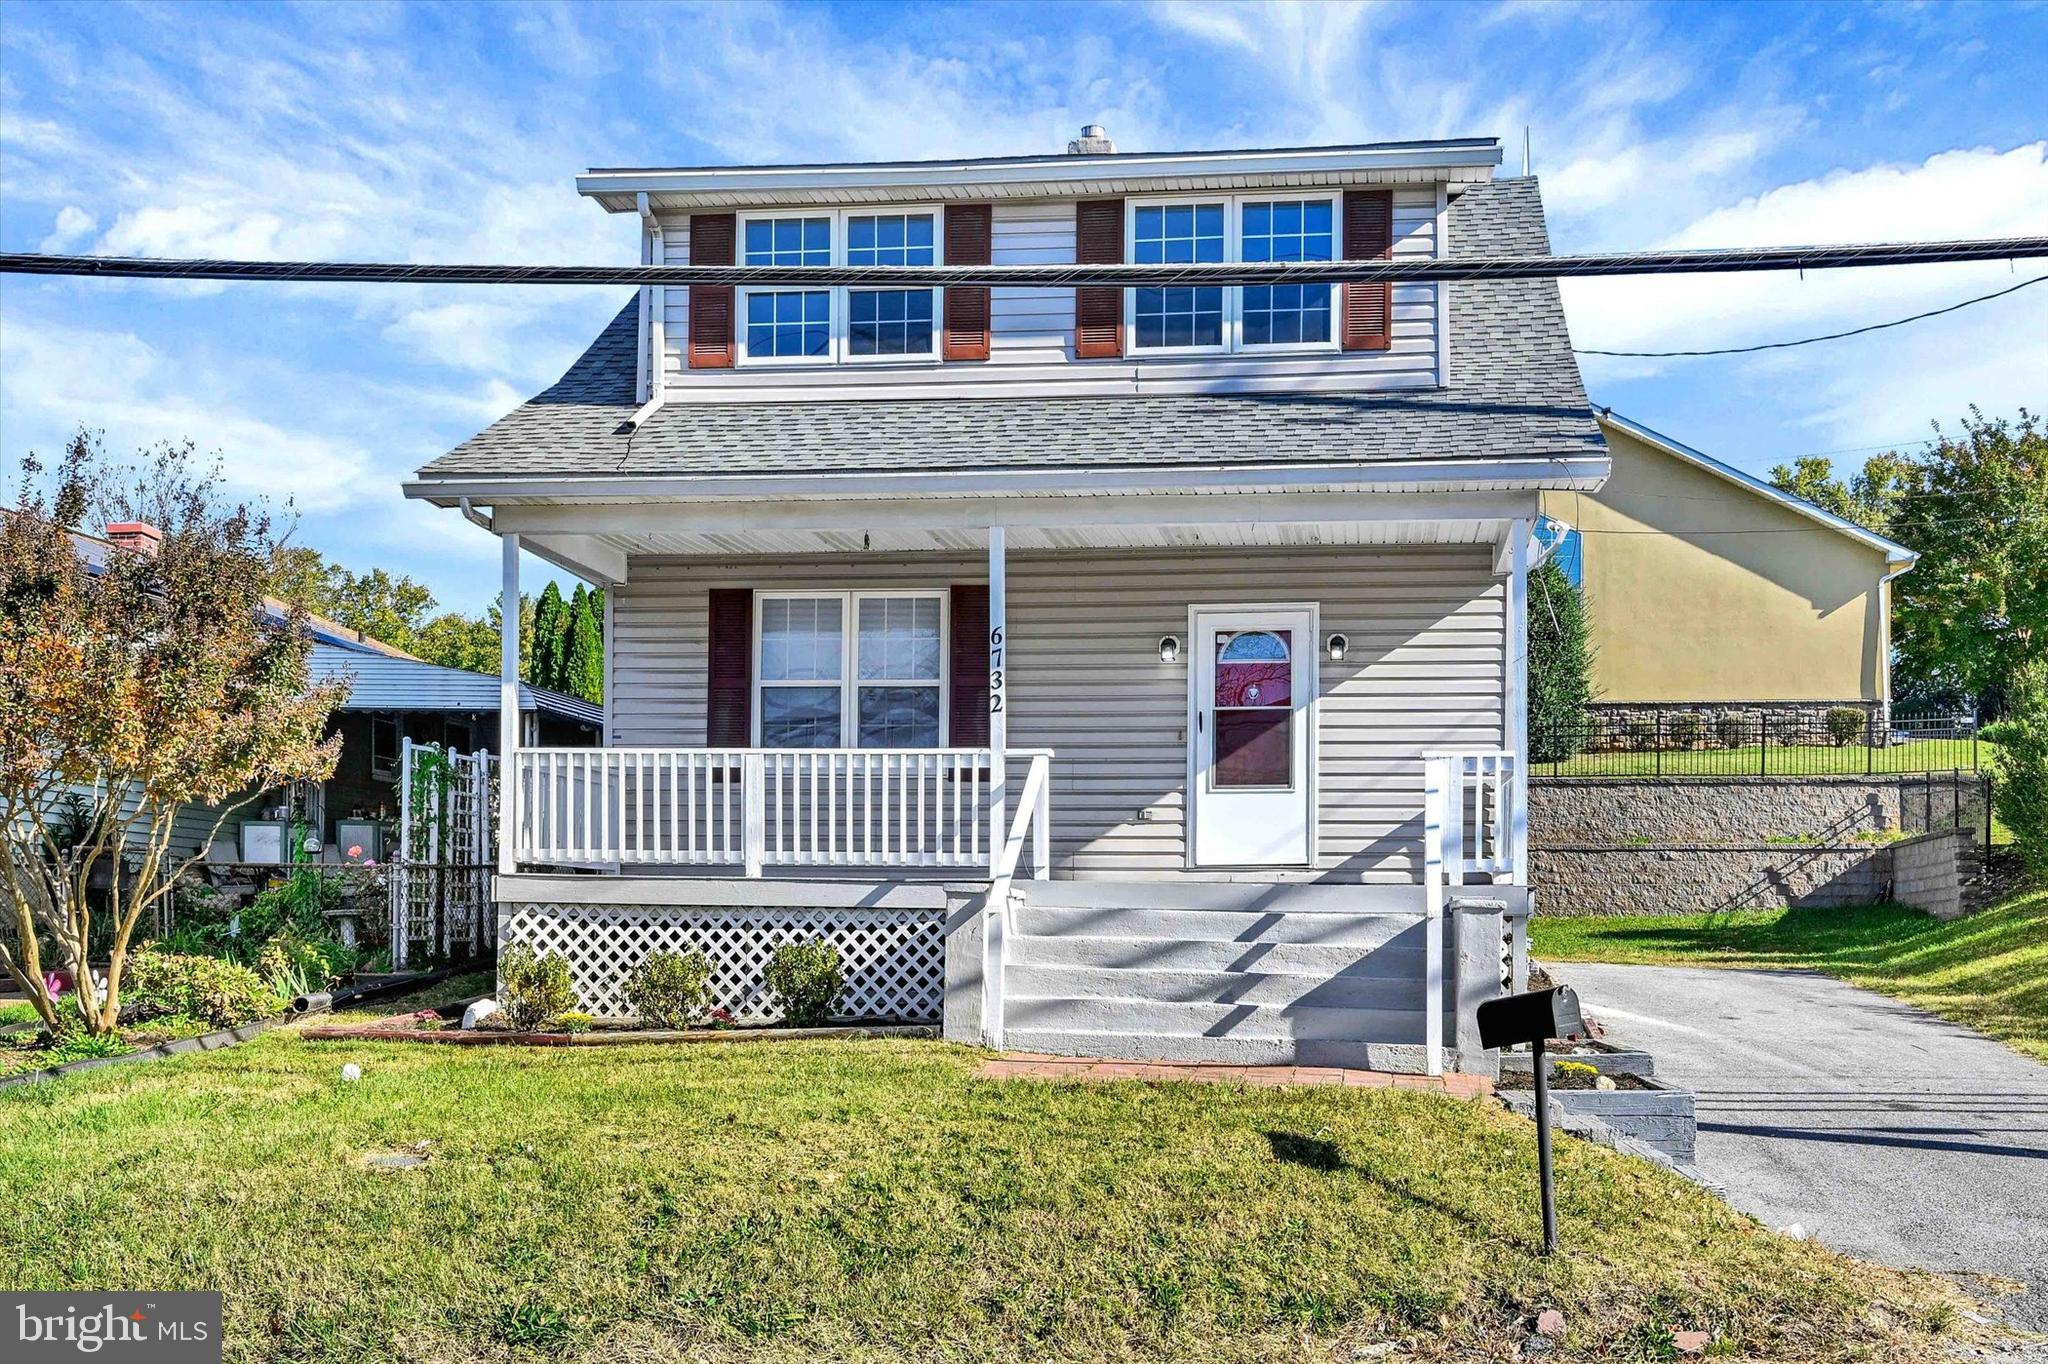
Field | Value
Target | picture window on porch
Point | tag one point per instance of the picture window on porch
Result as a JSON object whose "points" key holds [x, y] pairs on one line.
{"points": [[384, 747], [882, 684]]}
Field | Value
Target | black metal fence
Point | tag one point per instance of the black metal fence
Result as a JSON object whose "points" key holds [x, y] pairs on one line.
{"points": [[1726, 741]]}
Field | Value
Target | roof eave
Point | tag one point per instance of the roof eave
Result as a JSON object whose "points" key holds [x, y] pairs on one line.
{"points": [[618, 190]]}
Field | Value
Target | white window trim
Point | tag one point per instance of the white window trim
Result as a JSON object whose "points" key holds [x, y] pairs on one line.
{"points": [[839, 310], [1233, 295], [849, 643]]}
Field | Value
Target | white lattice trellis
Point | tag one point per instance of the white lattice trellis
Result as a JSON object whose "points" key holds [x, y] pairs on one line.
{"points": [[894, 961], [447, 831]]}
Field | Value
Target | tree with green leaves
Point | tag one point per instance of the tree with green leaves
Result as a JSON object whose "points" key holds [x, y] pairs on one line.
{"points": [[1974, 610], [583, 664], [2020, 767], [550, 626], [1560, 664], [1870, 497]]}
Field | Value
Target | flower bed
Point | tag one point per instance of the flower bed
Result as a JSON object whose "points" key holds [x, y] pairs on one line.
{"points": [[443, 1025]]}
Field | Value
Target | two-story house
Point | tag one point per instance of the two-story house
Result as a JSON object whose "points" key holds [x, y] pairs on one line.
{"points": [[1131, 672]]}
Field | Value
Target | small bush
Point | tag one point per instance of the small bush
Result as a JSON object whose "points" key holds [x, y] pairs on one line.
{"points": [[1846, 724], [1688, 729], [806, 977], [306, 961], [1999, 731], [532, 989], [219, 992], [1733, 730], [1641, 735], [573, 1021], [669, 989], [1785, 729], [2020, 770]]}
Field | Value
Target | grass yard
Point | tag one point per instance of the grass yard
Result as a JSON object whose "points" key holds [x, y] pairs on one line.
{"points": [[1989, 971], [1779, 760], [875, 1201]]}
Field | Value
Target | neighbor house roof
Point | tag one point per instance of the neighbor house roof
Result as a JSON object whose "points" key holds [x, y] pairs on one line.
{"points": [[1514, 394], [1894, 552], [385, 683]]}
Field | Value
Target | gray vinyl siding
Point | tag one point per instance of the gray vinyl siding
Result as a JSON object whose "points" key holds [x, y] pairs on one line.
{"points": [[1424, 671], [1032, 340]]}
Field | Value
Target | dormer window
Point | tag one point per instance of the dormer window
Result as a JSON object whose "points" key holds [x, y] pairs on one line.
{"points": [[1246, 227], [829, 325]]}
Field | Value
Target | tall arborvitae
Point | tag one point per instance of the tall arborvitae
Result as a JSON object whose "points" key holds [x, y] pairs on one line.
{"points": [[584, 660], [550, 622], [1560, 665]]}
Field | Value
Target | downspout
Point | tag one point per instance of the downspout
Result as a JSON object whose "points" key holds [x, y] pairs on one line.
{"points": [[653, 366], [476, 517]]}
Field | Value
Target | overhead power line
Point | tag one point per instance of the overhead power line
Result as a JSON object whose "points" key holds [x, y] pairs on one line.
{"points": [[1811, 340], [1416, 270]]}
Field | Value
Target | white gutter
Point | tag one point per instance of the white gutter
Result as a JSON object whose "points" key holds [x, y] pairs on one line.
{"points": [[1581, 473]]}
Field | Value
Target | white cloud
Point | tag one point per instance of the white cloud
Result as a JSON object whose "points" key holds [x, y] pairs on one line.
{"points": [[72, 226], [1969, 193], [140, 396]]}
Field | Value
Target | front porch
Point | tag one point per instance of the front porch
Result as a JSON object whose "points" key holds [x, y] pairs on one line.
{"points": [[1223, 791]]}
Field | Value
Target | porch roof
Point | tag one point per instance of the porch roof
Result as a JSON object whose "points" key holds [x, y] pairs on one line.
{"points": [[1515, 396]]}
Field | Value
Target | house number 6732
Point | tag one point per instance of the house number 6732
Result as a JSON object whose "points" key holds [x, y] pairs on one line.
{"points": [[995, 670]]}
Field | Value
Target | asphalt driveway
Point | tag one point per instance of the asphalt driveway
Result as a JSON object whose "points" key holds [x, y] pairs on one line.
{"points": [[1882, 1130]]}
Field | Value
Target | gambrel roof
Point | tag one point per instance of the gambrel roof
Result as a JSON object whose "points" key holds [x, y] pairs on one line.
{"points": [[1514, 395]]}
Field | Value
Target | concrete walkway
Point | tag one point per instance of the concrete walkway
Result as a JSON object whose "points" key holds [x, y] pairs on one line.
{"points": [[1882, 1130]]}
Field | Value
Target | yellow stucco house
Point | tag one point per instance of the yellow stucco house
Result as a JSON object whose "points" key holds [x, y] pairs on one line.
{"points": [[1708, 586]]}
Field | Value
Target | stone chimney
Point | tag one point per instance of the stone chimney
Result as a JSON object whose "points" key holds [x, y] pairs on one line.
{"points": [[1093, 141], [137, 537]]}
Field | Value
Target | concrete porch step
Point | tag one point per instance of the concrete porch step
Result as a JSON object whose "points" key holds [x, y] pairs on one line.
{"points": [[1402, 955], [1113, 987], [1038, 918], [1243, 896], [1395, 1056], [1209, 1021]]}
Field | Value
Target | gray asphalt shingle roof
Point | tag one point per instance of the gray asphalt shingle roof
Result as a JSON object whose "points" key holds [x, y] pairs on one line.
{"points": [[1514, 393]]}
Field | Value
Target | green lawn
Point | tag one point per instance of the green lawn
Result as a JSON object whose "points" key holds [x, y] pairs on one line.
{"points": [[874, 1201], [1989, 971], [1797, 760]]}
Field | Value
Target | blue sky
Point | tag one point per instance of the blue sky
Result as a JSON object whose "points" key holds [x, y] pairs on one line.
{"points": [[451, 133]]}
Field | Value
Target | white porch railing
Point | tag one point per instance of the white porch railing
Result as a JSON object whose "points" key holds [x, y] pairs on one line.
{"points": [[755, 808], [1033, 819], [1475, 830]]}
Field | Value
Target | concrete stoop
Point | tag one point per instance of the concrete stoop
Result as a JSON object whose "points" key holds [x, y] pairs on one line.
{"points": [[1228, 974]]}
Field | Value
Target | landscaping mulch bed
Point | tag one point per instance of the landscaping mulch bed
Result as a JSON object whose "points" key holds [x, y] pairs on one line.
{"points": [[438, 1025]]}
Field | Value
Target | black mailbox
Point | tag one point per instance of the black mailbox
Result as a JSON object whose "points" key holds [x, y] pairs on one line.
{"points": [[1537, 1016]]}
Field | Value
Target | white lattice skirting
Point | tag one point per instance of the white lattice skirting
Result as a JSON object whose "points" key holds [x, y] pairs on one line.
{"points": [[894, 960]]}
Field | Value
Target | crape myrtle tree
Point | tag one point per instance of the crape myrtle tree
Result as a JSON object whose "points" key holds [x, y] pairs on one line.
{"points": [[129, 689]]}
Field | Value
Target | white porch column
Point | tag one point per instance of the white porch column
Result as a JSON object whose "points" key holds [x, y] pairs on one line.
{"points": [[1515, 699], [998, 708], [508, 708]]}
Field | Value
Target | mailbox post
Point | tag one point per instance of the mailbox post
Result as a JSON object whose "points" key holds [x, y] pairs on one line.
{"points": [[1535, 1018]]}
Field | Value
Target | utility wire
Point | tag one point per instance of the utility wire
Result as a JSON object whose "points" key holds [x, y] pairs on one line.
{"points": [[1410, 270], [1811, 340]]}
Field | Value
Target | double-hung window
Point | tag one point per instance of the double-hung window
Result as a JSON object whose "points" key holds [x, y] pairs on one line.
{"points": [[831, 324], [852, 669], [1237, 228]]}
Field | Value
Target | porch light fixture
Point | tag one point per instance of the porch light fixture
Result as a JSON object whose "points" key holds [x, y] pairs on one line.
{"points": [[1338, 646], [1169, 648]]}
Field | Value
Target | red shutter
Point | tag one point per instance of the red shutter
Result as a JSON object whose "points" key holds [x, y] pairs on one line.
{"points": [[729, 710], [970, 240], [1099, 312], [711, 243], [1368, 235], [967, 673]]}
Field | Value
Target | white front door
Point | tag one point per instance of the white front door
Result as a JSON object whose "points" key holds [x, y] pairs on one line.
{"points": [[1250, 721]]}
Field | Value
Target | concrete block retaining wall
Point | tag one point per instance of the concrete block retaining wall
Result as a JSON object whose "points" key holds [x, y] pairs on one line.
{"points": [[1686, 845], [1736, 811]]}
